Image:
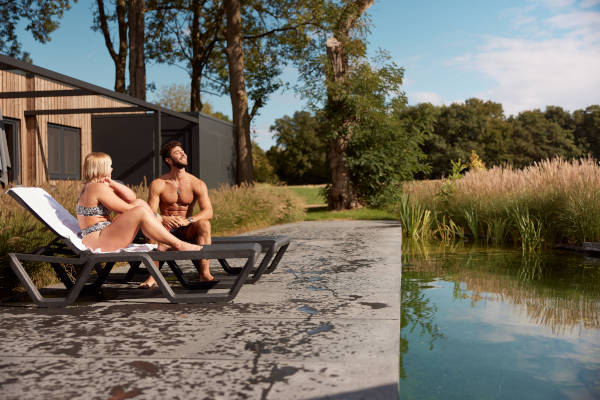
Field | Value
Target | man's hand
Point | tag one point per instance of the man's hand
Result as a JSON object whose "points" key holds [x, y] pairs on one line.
{"points": [[174, 221]]}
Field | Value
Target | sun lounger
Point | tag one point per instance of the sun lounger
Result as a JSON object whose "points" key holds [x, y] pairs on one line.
{"points": [[68, 249], [273, 248]]}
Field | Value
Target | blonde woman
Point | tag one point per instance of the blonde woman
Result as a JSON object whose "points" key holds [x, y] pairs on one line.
{"points": [[100, 196]]}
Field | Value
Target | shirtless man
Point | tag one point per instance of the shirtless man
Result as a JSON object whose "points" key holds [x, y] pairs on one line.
{"points": [[175, 194]]}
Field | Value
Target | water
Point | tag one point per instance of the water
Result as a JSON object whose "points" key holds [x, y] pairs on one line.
{"points": [[492, 324]]}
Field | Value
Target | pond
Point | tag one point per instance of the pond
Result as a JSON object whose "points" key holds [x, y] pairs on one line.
{"points": [[485, 323]]}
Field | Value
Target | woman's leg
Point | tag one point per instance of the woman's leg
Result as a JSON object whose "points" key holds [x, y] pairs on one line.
{"points": [[122, 230]]}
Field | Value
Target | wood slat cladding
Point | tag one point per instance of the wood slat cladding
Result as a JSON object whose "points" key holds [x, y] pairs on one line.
{"points": [[34, 129]]}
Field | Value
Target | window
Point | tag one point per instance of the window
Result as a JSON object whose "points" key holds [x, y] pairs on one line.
{"points": [[63, 152], [11, 128]]}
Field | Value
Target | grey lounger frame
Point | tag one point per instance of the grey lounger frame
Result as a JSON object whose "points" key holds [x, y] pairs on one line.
{"points": [[272, 246], [61, 251]]}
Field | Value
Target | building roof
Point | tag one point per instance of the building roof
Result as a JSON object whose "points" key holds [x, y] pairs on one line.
{"points": [[80, 88]]}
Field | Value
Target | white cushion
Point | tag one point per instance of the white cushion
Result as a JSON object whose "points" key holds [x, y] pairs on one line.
{"points": [[61, 220]]}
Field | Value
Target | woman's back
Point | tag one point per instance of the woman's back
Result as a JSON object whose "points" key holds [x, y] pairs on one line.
{"points": [[89, 209]]}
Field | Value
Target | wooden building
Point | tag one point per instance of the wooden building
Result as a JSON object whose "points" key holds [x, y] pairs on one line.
{"points": [[51, 121]]}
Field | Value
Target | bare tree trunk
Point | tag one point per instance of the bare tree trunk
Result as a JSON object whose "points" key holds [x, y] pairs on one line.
{"points": [[341, 194], [137, 59], [197, 67], [120, 58], [237, 91]]}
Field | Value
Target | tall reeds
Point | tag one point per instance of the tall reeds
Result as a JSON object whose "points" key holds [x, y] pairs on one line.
{"points": [[552, 201]]}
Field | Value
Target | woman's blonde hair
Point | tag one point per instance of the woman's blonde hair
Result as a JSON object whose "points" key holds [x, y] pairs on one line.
{"points": [[96, 166]]}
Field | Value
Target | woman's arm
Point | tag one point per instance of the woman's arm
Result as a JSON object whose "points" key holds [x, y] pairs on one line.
{"points": [[107, 196], [122, 191]]}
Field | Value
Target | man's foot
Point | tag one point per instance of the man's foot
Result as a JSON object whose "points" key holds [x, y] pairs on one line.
{"points": [[148, 283], [206, 277]]}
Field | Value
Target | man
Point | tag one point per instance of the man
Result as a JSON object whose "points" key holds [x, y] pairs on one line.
{"points": [[176, 193]]}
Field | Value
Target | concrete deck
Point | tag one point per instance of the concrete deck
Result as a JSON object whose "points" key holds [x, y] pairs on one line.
{"points": [[325, 324]]}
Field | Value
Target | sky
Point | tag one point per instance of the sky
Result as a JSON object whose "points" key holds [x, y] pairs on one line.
{"points": [[523, 54]]}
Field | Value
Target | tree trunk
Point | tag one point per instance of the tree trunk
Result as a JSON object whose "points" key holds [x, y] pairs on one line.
{"points": [[196, 62], [237, 91], [120, 58], [137, 59], [341, 194]]}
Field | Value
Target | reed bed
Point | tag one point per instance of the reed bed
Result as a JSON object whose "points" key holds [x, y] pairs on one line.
{"points": [[236, 210], [550, 202]]}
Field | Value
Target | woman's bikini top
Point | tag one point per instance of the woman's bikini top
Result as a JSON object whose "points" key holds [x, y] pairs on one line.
{"points": [[99, 210]]}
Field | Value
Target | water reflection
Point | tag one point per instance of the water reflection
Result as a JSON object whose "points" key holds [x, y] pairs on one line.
{"points": [[546, 304]]}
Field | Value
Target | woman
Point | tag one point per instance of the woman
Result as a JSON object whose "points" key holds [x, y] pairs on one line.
{"points": [[101, 195]]}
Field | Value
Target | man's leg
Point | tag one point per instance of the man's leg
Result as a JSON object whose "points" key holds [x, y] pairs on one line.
{"points": [[199, 233]]}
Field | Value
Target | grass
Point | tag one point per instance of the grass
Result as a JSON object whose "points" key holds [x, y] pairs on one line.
{"points": [[323, 214], [550, 202], [312, 194], [316, 206]]}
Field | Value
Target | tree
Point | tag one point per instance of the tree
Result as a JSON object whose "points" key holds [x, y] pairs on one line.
{"points": [[119, 57], [187, 31], [237, 91], [535, 138], [587, 130], [300, 154], [461, 128], [341, 46], [177, 98], [263, 170], [137, 55], [129, 16], [41, 19], [273, 33], [382, 152]]}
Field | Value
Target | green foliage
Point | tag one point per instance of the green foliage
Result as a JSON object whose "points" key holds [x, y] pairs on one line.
{"points": [[496, 229], [300, 154], [416, 220], [263, 170], [40, 17], [381, 152], [453, 132], [529, 227], [587, 130], [535, 138], [472, 219]]}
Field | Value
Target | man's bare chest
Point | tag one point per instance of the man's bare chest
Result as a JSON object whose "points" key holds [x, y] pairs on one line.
{"points": [[177, 194]]}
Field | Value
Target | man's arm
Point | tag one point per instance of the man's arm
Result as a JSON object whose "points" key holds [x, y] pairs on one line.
{"points": [[154, 194], [201, 197]]}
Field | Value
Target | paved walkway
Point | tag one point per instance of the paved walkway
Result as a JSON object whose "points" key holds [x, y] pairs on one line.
{"points": [[325, 324]]}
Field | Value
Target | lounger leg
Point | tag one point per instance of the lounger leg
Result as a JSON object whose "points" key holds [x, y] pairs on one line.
{"points": [[134, 267], [32, 290], [278, 257], [256, 274]]}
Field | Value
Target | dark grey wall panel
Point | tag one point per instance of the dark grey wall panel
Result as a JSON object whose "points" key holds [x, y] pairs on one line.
{"points": [[217, 151], [128, 140]]}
